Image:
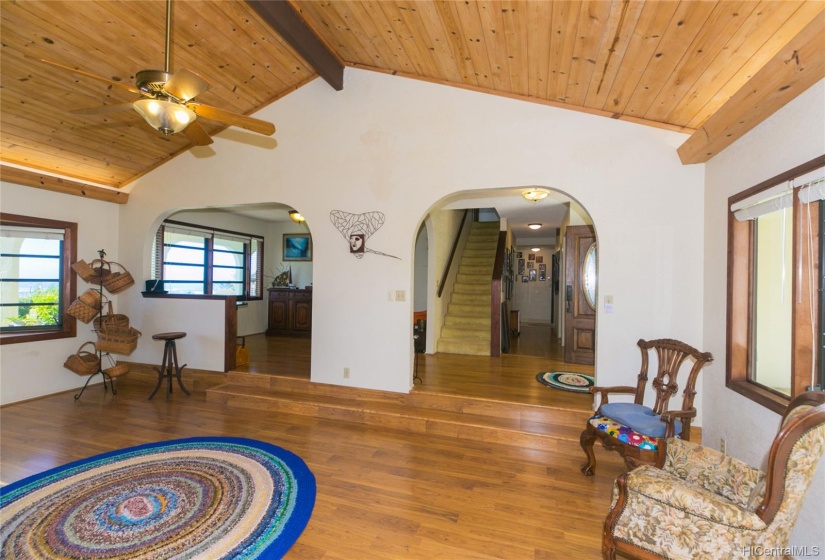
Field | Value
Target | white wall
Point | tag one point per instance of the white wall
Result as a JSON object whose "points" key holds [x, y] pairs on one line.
{"points": [[793, 135], [534, 299], [34, 369], [398, 146]]}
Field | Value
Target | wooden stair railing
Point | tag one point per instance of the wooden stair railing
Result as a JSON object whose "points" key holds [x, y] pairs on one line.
{"points": [[495, 297]]}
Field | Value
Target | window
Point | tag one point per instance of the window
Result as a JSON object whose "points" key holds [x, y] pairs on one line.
{"points": [[775, 246], [36, 283], [194, 260]]}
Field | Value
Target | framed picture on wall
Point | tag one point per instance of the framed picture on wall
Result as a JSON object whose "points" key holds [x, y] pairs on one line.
{"points": [[521, 266], [531, 257], [542, 272], [297, 247], [524, 279], [539, 259], [531, 265], [518, 255], [532, 275]]}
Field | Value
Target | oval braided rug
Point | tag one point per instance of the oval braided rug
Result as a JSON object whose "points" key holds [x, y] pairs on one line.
{"points": [[191, 498], [566, 381]]}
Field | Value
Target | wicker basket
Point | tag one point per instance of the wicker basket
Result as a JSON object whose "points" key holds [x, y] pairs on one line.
{"points": [[116, 369], [111, 319], [86, 307], [116, 339], [83, 269], [83, 362], [100, 270], [116, 282]]}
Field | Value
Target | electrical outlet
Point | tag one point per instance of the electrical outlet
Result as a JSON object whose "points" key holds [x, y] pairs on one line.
{"points": [[723, 446], [391, 295], [346, 373]]}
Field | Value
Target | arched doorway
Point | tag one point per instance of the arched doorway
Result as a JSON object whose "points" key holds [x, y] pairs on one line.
{"points": [[535, 264], [262, 255]]}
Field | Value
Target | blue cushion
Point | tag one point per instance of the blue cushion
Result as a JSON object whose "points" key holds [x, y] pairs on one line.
{"points": [[638, 417]]}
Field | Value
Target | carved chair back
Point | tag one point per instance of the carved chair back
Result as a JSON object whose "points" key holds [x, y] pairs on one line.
{"points": [[670, 354]]}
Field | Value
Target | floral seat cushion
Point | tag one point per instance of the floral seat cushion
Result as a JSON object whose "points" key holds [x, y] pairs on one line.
{"points": [[623, 433]]}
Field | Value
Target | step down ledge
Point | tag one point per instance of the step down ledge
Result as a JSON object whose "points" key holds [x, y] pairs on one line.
{"points": [[533, 434]]}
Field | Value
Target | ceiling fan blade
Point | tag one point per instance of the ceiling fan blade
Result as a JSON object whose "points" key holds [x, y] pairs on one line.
{"points": [[233, 119], [87, 74], [103, 109], [197, 135], [185, 85]]}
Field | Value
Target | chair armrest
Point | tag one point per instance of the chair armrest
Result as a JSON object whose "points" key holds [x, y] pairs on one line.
{"points": [[650, 488], [669, 417], [716, 472], [605, 391]]}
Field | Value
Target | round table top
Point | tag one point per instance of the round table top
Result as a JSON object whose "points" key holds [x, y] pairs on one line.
{"points": [[168, 336]]}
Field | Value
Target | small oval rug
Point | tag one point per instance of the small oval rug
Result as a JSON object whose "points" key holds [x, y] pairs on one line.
{"points": [[567, 381], [191, 498]]}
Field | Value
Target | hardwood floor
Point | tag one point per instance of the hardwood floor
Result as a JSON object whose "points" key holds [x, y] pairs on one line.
{"points": [[382, 493], [509, 378]]}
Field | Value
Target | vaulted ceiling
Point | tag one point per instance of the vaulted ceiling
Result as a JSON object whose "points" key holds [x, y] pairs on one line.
{"points": [[717, 67]]}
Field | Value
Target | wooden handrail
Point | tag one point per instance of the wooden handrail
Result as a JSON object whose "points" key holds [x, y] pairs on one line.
{"points": [[452, 254], [495, 297]]}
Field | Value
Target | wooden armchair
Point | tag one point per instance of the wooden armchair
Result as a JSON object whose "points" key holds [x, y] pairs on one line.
{"points": [[703, 504], [636, 431]]}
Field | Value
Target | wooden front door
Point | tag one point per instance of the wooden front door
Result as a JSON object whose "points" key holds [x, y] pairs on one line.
{"points": [[580, 295]]}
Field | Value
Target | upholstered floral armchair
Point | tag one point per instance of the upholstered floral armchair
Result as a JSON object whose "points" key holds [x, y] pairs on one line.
{"points": [[705, 505]]}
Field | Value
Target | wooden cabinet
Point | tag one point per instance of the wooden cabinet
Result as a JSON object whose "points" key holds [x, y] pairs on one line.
{"points": [[290, 312]]}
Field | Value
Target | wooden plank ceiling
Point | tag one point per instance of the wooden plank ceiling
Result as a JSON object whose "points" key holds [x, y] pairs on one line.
{"points": [[662, 63]]}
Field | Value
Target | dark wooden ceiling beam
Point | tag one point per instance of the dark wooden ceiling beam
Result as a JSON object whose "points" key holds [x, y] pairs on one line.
{"points": [[61, 185], [285, 20]]}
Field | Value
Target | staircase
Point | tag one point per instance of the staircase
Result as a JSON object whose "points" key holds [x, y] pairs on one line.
{"points": [[468, 418], [466, 328]]}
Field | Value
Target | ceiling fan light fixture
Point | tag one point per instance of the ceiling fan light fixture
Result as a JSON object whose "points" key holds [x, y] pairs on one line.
{"points": [[164, 116], [534, 226], [534, 195], [296, 216]]}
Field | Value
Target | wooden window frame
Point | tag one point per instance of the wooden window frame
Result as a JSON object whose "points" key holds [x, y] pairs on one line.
{"points": [[69, 290], [741, 248]]}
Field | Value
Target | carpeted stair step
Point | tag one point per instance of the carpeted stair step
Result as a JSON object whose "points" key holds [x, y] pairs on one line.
{"points": [[465, 298], [462, 345], [478, 289], [483, 279], [468, 310], [461, 417], [479, 332], [467, 322]]}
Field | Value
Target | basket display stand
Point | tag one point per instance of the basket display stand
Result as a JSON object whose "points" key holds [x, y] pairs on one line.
{"points": [[106, 376]]}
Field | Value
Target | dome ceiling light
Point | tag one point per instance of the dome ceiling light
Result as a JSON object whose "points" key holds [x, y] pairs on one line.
{"points": [[534, 195], [534, 226]]}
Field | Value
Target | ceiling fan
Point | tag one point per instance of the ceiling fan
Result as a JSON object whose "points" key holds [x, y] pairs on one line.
{"points": [[168, 100]]}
